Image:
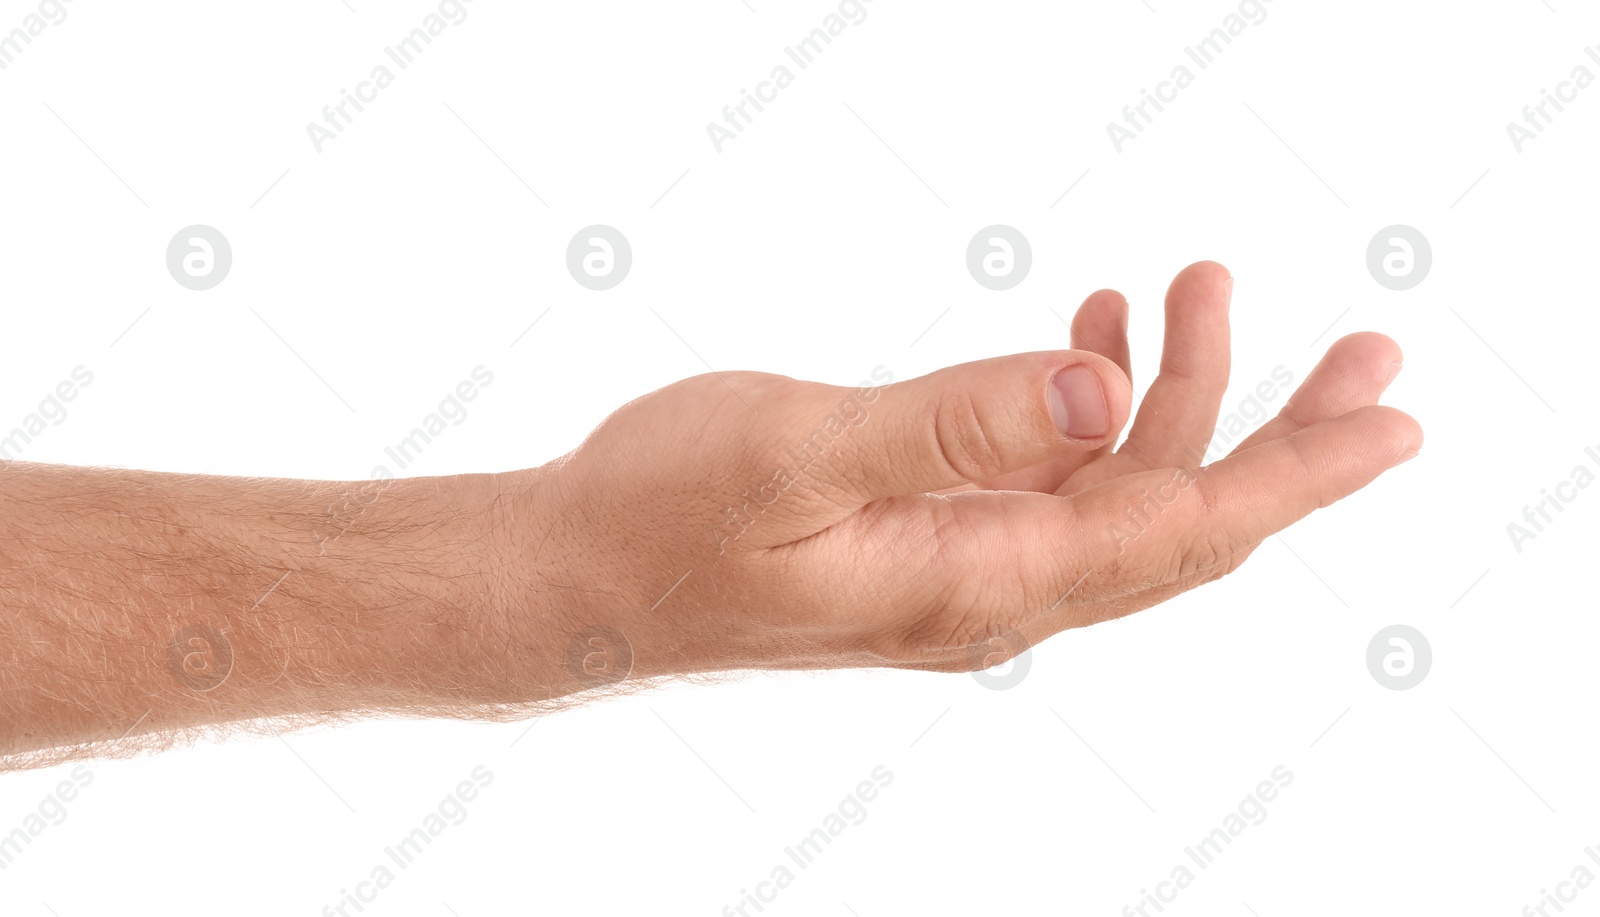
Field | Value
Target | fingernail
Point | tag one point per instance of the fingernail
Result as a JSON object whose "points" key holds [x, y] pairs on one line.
{"points": [[1078, 403], [1406, 458]]}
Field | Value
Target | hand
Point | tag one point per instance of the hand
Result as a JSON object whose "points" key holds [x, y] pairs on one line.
{"points": [[745, 520]]}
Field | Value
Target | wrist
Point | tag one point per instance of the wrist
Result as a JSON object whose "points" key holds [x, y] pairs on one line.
{"points": [[409, 579], [564, 628]]}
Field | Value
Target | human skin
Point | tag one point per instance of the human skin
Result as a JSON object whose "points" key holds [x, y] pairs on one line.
{"points": [[952, 521]]}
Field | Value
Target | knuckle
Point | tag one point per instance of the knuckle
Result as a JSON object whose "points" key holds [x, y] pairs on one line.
{"points": [[952, 612], [1195, 557], [994, 651], [1228, 564], [1208, 558], [964, 439], [969, 630], [968, 635]]}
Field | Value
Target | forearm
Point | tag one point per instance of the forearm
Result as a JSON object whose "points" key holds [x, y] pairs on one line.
{"points": [[146, 603]]}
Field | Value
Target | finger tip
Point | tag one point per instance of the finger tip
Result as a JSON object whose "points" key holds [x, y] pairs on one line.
{"points": [[1399, 433], [1213, 271], [1203, 282], [1416, 436], [1375, 346], [1101, 305], [1115, 388], [1119, 397], [1366, 360]]}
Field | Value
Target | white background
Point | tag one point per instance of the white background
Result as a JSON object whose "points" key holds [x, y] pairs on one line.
{"points": [[370, 278]]}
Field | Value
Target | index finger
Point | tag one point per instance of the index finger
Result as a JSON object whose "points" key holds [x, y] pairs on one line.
{"points": [[1159, 527]]}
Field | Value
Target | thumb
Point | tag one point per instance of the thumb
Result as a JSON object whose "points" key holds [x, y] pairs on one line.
{"points": [[979, 420]]}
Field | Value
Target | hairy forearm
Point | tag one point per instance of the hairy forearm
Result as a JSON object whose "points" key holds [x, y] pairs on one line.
{"points": [[140, 606]]}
